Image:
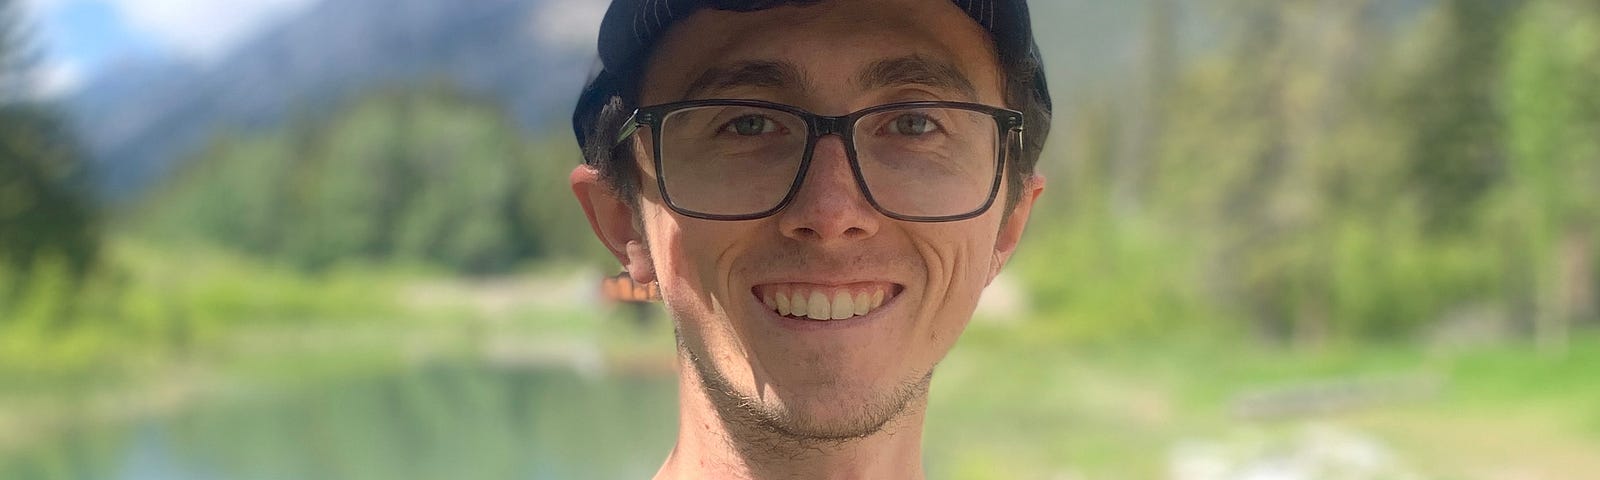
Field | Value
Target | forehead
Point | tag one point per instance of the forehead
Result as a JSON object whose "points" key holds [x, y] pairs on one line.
{"points": [[826, 49]]}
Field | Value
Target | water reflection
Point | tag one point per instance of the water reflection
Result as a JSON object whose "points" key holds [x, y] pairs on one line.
{"points": [[442, 421]]}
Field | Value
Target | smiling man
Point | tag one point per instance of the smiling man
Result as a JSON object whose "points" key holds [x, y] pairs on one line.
{"points": [[820, 190]]}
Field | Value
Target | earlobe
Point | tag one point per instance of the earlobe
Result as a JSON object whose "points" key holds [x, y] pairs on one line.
{"points": [[1011, 232], [612, 220], [639, 264]]}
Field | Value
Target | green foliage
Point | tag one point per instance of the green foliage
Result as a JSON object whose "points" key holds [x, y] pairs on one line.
{"points": [[48, 234], [1553, 112], [150, 300], [1317, 181], [1456, 142], [1098, 280], [44, 204], [412, 175]]}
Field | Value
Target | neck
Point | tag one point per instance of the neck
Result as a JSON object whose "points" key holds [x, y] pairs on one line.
{"points": [[716, 444]]}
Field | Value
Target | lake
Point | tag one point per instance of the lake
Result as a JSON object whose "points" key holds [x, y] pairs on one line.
{"points": [[453, 420]]}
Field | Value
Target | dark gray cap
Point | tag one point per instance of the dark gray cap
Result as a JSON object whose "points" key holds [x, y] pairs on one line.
{"points": [[631, 28]]}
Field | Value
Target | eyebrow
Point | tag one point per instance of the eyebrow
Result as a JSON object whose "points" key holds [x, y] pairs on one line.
{"points": [[755, 73], [916, 70]]}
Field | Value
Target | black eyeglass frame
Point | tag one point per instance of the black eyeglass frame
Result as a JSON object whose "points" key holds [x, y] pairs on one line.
{"points": [[1007, 123]]}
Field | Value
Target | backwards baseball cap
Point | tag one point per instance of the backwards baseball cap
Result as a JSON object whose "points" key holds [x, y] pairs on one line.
{"points": [[631, 28]]}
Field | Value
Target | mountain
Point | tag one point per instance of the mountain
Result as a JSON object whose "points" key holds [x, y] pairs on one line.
{"points": [[140, 118]]}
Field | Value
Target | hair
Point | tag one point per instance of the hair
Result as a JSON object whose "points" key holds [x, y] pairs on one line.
{"points": [[618, 167]]}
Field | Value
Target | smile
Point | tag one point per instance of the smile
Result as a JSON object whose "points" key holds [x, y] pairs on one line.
{"points": [[825, 302]]}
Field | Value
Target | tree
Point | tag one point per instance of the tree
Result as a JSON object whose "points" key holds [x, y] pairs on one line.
{"points": [[48, 240], [1552, 111], [1458, 140], [45, 208], [411, 174]]}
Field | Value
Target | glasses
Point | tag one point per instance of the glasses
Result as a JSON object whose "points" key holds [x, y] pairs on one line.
{"points": [[746, 159]]}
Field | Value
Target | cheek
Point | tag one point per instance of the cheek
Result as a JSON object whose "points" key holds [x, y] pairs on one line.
{"points": [[958, 261], [970, 277], [685, 293], [692, 261]]}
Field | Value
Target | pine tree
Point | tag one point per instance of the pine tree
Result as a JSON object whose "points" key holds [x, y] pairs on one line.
{"points": [[45, 208]]}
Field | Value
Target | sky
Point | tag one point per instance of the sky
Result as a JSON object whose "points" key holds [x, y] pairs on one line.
{"points": [[80, 37]]}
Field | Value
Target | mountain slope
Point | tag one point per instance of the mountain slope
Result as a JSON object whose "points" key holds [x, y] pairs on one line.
{"points": [[139, 119]]}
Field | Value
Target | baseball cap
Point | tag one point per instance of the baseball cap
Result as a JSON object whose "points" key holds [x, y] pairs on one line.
{"points": [[631, 28]]}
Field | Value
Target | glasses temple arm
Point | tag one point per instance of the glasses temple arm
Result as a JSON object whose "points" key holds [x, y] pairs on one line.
{"points": [[628, 128]]}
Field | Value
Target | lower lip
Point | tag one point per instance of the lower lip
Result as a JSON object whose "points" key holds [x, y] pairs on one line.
{"points": [[809, 325]]}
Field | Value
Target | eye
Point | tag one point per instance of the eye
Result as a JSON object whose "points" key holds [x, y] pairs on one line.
{"points": [[912, 125], [751, 125]]}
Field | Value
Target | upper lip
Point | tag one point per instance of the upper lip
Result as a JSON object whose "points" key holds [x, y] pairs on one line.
{"points": [[824, 281]]}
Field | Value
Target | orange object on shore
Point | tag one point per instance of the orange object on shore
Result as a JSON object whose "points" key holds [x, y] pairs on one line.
{"points": [[622, 288]]}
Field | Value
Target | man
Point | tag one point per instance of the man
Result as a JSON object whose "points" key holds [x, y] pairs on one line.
{"points": [[820, 190]]}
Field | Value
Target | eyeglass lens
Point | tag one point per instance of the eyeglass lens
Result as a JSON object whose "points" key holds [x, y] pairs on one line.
{"points": [[743, 160]]}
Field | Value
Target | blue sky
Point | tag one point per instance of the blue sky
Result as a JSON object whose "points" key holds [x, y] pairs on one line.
{"points": [[89, 33], [81, 37]]}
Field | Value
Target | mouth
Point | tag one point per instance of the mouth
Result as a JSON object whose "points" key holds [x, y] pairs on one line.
{"points": [[825, 303]]}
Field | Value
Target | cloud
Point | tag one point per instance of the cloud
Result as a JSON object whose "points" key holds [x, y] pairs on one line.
{"points": [[203, 30], [55, 79], [574, 23], [37, 7], [52, 77]]}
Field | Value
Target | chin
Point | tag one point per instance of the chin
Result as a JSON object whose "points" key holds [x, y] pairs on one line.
{"points": [[837, 407], [841, 414]]}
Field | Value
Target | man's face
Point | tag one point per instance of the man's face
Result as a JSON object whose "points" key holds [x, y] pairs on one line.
{"points": [[813, 378]]}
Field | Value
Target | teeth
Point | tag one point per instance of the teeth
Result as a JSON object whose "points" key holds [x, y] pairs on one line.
{"points": [[798, 305], [843, 306], [816, 304], [818, 309]]}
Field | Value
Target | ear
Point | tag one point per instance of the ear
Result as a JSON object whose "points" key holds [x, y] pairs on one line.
{"points": [[1011, 232], [613, 221]]}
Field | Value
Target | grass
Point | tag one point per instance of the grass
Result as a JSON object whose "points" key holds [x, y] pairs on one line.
{"points": [[1121, 411]]}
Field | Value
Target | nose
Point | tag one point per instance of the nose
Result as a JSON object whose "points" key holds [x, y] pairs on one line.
{"points": [[830, 207]]}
